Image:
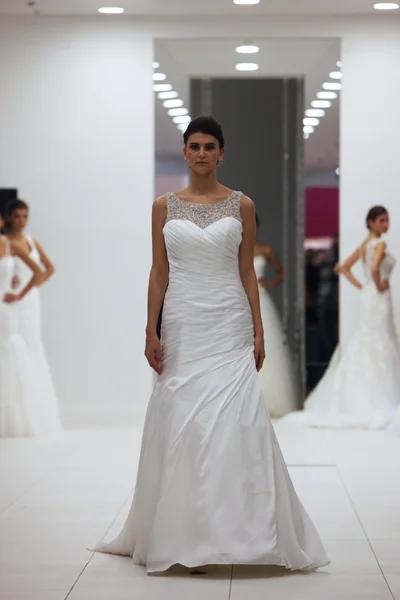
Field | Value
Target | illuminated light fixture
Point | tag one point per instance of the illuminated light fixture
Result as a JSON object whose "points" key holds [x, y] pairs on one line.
{"points": [[156, 65], [331, 85], [166, 95], [177, 112], [321, 103], [314, 112], [337, 172], [386, 6], [339, 63], [246, 2], [173, 103], [306, 136], [326, 95], [247, 67], [182, 127], [159, 77], [335, 75], [308, 129], [111, 10], [182, 119], [162, 87], [311, 121], [247, 49]]}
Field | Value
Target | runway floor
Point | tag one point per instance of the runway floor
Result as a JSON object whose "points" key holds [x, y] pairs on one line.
{"points": [[58, 496]]}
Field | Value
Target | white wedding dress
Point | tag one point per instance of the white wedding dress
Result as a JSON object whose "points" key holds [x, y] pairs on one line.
{"points": [[361, 387], [277, 376], [212, 485]]}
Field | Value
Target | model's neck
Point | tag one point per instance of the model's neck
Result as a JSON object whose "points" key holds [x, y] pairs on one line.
{"points": [[203, 186], [16, 235]]}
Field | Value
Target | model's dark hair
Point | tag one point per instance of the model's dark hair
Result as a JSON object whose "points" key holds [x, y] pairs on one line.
{"points": [[257, 220], [208, 125], [374, 213], [11, 207]]}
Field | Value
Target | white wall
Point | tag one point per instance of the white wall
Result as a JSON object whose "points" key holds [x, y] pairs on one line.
{"points": [[76, 138]]}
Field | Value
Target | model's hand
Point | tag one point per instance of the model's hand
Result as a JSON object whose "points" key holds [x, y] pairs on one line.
{"points": [[259, 351], [153, 353], [383, 286], [9, 298], [15, 282]]}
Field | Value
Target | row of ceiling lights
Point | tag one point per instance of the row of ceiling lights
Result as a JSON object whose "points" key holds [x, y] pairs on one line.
{"points": [[324, 99], [170, 99], [117, 10]]}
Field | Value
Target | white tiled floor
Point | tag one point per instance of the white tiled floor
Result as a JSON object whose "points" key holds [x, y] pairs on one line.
{"points": [[58, 496]]}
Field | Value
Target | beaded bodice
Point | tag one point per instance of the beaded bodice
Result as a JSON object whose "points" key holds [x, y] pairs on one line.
{"points": [[203, 215]]}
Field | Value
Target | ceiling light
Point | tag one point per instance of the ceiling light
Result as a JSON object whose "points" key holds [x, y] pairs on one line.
{"points": [[177, 112], [330, 85], [327, 95], [162, 87], [247, 49], [183, 119], [182, 127], [156, 65], [173, 103], [386, 6], [246, 67], [308, 129], [310, 121], [314, 112], [339, 63], [335, 75], [159, 77], [246, 1], [166, 95], [111, 10], [306, 136], [321, 103], [337, 171]]}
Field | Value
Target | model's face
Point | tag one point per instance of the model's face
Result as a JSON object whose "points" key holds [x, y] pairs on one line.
{"points": [[18, 219], [202, 153], [381, 224]]}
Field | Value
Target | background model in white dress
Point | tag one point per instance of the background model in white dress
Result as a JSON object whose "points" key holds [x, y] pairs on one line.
{"points": [[47, 418], [277, 376], [361, 387], [212, 485]]}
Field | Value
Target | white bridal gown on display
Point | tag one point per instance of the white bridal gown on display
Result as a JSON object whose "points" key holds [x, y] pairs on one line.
{"points": [[277, 376], [361, 388], [44, 401], [212, 485]]}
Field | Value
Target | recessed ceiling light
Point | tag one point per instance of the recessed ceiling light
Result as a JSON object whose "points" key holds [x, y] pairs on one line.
{"points": [[314, 112], [173, 103], [335, 75], [247, 49], [182, 127], [156, 65], [247, 67], [166, 95], [311, 121], [308, 129], [177, 112], [111, 10], [327, 95], [339, 63], [162, 87], [183, 119], [246, 1], [306, 136], [159, 77], [330, 85], [321, 103], [386, 6]]}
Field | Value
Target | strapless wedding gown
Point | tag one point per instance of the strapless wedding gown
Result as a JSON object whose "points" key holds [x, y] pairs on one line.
{"points": [[212, 485], [277, 377], [361, 388]]}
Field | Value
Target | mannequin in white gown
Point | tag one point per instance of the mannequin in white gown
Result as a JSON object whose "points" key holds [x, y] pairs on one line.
{"points": [[212, 485], [45, 403], [16, 418], [361, 388], [277, 376]]}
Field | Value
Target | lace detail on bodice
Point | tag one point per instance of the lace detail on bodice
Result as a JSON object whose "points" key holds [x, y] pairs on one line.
{"points": [[203, 215], [387, 263]]}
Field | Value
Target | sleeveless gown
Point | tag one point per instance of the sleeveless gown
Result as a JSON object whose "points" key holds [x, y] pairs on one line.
{"points": [[44, 401], [212, 485], [361, 388], [277, 376]]}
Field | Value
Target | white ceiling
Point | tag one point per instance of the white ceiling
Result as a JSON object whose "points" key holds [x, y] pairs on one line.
{"points": [[312, 59], [192, 7]]}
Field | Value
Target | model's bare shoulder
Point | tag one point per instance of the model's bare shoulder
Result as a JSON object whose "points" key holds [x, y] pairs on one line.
{"points": [[247, 206]]}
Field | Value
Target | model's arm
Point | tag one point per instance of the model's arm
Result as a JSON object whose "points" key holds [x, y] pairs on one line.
{"points": [[248, 275], [275, 263], [157, 284], [36, 274], [346, 267], [380, 250], [48, 265]]}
